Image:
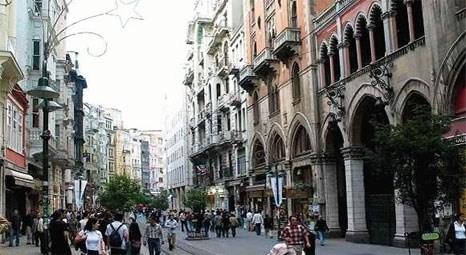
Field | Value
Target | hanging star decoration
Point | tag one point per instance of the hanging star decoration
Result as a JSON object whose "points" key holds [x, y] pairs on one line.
{"points": [[125, 10]]}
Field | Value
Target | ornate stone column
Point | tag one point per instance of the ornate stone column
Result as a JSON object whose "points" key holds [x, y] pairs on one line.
{"points": [[346, 58], [342, 63], [322, 73], [372, 42], [332, 69], [393, 30], [387, 32], [355, 195], [329, 168], [409, 8], [357, 37]]}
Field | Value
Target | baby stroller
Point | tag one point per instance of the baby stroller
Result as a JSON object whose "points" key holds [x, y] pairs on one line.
{"points": [[279, 249]]}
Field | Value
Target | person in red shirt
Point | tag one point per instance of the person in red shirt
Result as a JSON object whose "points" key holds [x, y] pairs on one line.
{"points": [[295, 236]]}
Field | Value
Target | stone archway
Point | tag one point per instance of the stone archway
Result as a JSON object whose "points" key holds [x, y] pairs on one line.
{"points": [[335, 178], [378, 186]]}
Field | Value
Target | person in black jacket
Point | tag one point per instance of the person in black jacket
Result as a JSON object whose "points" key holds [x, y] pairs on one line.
{"points": [[15, 227], [321, 227], [456, 235]]}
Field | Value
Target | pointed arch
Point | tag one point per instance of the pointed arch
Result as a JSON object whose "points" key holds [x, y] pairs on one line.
{"points": [[334, 54], [276, 144], [296, 82], [325, 64], [350, 42], [362, 32], [376, 25], [257, 156]]}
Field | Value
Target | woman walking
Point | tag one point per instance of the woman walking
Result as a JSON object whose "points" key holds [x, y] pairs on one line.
{"points": [[59, 235], [134, 238], [457, 235], [93, 237]]}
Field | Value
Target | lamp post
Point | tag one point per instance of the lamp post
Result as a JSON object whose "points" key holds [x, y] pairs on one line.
{"points": [[45, 92]]}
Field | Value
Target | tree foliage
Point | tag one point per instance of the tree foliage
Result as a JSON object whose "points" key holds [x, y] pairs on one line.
{"points": [[122, 193], [427, 168], [160, 201], [196, 199]]}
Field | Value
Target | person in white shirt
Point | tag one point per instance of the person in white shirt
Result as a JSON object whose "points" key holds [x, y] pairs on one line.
{"points": [[93, 238], [171, 224], [83, 221], [248, 220], [457, 235], [257, 220]]}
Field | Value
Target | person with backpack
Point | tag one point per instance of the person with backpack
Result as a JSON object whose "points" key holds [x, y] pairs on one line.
{"points": [[117, 235], [92, 238], [234, 223]]}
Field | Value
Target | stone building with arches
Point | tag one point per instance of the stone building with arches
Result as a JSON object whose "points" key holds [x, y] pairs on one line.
{"points": [[281, 82], [377, 60]]}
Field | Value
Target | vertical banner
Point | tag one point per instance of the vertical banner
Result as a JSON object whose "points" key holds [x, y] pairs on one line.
{"points": [[77, 201], [280, 190], [83, 187]]}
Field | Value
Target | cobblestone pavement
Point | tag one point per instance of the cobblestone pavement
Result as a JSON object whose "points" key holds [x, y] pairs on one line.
{"points": [[248, 243], [245, 243]]}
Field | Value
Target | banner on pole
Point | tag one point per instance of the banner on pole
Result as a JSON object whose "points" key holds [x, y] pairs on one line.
{"points": [[277, 193]]}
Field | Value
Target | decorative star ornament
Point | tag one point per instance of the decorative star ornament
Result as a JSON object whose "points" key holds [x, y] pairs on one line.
{"points": [[125, 10]]}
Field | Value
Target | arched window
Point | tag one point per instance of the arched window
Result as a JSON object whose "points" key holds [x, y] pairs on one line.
{"points": [[256, 110], [258, 154], [417, 18], [352, 54], [377, 29], [402, 24], [364, 40], [301, 142], [296, 84], [277, 149], [218, 88], [273, 99], [294, 15], [334, 54], [325, 64]]}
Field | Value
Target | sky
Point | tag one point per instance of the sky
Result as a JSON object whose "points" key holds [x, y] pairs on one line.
{"points": [[141, 72]]}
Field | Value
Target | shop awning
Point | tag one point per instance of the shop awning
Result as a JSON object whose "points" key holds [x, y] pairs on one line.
{"points": [[20, 179]]}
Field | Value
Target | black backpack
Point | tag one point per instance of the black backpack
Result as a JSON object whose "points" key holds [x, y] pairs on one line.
{"points": [[115, 238]]}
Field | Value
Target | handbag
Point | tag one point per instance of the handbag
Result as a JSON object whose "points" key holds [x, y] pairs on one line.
{"points": [[79, 239]]}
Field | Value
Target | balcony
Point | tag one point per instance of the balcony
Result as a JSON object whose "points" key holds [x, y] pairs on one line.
{"points": [[233, 69], [264, 63], [208, 109], [236, 136], [247, 78], [220, 32], [192, 123], [287, 43], [222, 67], [224, 137], [189, 77], [235, 99], [222, 103], [201, 117]]}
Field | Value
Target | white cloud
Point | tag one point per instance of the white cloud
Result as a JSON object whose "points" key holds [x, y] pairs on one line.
{"points": [[143, 63]]}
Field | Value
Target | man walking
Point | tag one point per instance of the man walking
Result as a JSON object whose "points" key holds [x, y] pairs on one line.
{"points": [[321, 227], [153, 236], [171, 225], [15, 227], [117, 235], [28, 224], [257, 220], [295, 236]]}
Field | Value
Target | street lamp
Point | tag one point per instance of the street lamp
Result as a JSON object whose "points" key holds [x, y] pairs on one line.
{"points": [[45, 92]]}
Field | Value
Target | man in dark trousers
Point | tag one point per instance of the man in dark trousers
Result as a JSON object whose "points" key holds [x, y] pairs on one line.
{"points": [[321, 227], [15, 228]]}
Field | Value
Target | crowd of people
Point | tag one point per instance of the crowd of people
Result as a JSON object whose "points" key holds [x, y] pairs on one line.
{"points": [[92, 232], [112, 232]]}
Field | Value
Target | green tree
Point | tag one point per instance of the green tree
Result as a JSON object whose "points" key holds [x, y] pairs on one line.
{"points": [[160, 201], [427, 168], [121, 193], [196, 199]]}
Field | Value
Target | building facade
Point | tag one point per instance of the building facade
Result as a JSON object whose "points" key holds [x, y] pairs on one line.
{"points": [[214, 101], [178, 167]]}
